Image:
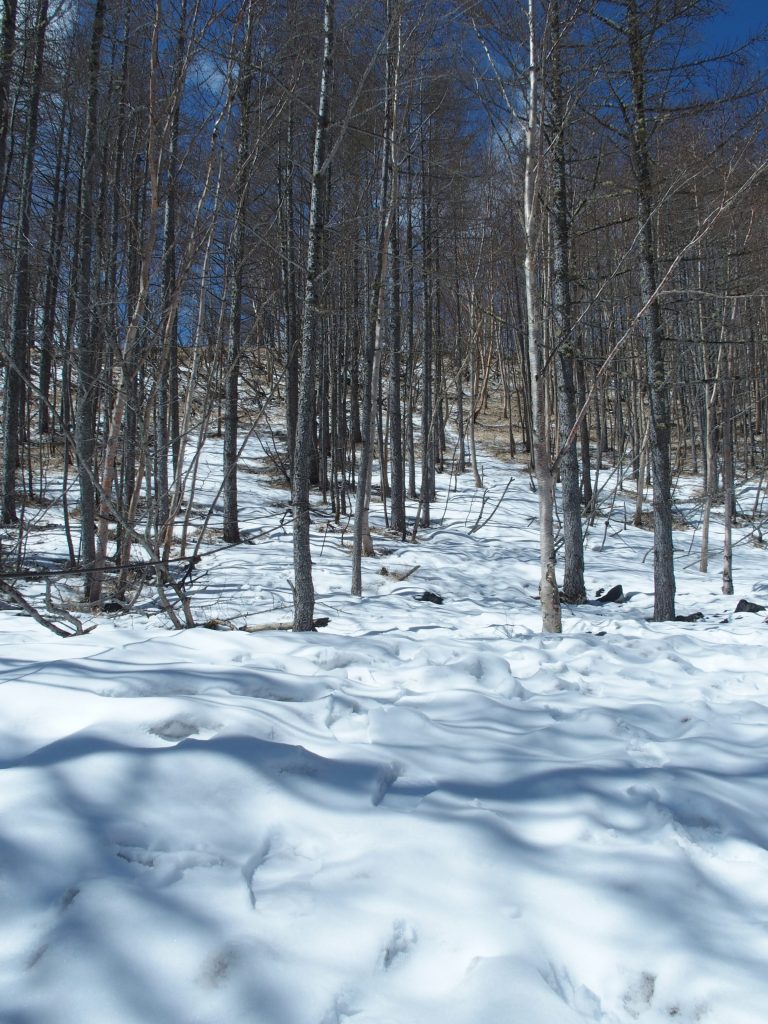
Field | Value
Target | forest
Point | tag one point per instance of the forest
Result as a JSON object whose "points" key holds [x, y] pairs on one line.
{"points": [[383, 512], [364, 232]]}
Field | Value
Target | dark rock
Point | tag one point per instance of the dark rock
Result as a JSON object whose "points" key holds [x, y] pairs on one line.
{"points": [[749, 606], [429, 596], [693, 617], [613, 596]]}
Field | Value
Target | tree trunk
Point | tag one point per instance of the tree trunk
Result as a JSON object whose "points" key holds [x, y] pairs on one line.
{"points": [[52, 277], [87, 354], [8, 31], [728, 492], [232, 368], [303, 588], [651, 327], [288, 264], [15, 385], [427, 446], [362, 543], [548, 590], [397, 523], [710, 457], [573, 544]]}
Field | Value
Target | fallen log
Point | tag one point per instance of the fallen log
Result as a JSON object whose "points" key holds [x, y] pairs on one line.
{"points": [[265, 627], [399, 574]]}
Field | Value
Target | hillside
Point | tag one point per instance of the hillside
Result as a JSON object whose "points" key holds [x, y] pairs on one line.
{"points": [[422, 813]]}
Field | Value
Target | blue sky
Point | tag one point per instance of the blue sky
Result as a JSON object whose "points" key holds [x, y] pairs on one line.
{"points": [[739, 18]]}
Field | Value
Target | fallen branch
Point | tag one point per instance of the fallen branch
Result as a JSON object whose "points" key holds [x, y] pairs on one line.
{"points": [[21, 602], [399, 574], [44, 574], [264, 627]]}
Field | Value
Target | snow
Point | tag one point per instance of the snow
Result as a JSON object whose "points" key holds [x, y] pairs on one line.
{"points": [[422, 814]]}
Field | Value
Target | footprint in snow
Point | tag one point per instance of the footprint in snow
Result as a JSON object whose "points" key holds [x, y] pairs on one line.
{"points": [[582, 1000], [215, 972], [385, 780], [167, 866], [176, 729], [67, 899], [346, 719], [253, 864], [342, 1009], [677, 1012], [217, 968], [279, 874], [642, 750], [639, 995], [399, 945]]}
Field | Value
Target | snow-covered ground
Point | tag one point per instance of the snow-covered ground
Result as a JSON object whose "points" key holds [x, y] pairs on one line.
{"points": [[422, 814]]}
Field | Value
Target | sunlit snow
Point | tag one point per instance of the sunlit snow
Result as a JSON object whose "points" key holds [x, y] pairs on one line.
{"points": [[422, 814]]}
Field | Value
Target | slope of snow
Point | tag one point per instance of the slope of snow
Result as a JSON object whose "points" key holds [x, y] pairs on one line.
{"points": [[423, 814]]}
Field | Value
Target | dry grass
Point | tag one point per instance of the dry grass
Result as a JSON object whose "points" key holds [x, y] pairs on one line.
{"points": [[492, 430]]}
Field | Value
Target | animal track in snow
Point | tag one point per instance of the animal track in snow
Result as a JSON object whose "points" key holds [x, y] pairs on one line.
{"points": [[400, 944], [639, 995], [342, 1009], [217, 968], [253, 864], [67, 899], [346, 719], [582, 1000], [385, 780], [643, 750], [280, 874], [169, 866], [174, 730], [677, 1012]]}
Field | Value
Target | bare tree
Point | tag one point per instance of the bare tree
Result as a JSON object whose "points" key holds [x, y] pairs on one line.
{"points": [[237, 250], [387, 204], [545, 482], [17, 355], [303, 587]]}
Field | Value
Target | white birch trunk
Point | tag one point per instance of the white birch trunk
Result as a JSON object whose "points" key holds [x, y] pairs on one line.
{"points": [[548, 591]]}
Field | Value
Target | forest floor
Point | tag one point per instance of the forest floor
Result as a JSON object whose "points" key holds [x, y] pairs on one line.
{"points": [[421, 814]]}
